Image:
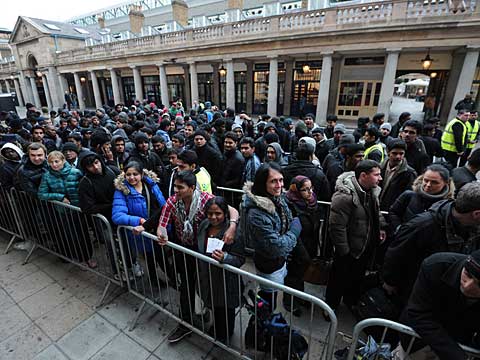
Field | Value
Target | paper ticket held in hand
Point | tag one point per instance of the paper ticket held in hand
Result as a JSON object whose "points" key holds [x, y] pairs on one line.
{"points": [[214, 244]]}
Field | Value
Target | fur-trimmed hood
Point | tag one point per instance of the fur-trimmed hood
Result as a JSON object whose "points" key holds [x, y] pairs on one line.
{"points": [[417, 185], [121, 183], [261, 202]]}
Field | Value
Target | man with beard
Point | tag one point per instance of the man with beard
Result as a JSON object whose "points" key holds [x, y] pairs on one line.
{"points": [[38, 136], [29, 175], [233, 163]]}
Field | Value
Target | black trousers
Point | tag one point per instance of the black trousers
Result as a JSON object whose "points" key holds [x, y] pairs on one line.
{"points": [[346, 280], [452, 158], [297, 263], [222, 329], [185, 266]]}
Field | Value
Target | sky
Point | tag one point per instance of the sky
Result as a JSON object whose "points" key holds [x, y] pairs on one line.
{"points": [[58, 10]]}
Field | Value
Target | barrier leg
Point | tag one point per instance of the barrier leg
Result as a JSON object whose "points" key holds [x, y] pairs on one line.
{"points": [[137, 316], [30, 253], [104, 295], [10, 243]]}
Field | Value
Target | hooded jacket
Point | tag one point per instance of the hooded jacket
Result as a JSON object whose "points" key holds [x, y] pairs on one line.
{"points": [[428, 233], [415, 201], [401, 180], [129, 206], [350, 223], [314, 173], [9, 167], [279, 159], [262, 230], [57, 185], [96, 190]]}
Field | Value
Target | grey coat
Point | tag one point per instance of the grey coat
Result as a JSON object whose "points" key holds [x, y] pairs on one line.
{"points": [[214, 291]]}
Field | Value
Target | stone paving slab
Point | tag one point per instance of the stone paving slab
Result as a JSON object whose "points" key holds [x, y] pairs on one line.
{"points": [[12, 319], [44, 301], [51, 353], [87, 338], [28, 285], [122, 347], [24, 344]]}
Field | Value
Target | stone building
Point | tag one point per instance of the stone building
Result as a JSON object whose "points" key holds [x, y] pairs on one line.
{"points": [[281, 58]]}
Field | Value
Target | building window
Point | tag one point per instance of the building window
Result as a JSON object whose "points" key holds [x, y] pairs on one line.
{"points": [[205, 87], [351, 94], [176, 87], [305, 89], [129, 90], [151, 88]]}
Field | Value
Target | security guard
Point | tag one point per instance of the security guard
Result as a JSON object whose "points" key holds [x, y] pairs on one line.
{"points": [[374, 149], [454, 138], [473, 129]]}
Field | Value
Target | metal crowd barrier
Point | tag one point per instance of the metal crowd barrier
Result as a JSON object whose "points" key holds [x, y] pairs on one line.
{"points": [[400, 328], [9, 219], [66, 232], [190, 280]]}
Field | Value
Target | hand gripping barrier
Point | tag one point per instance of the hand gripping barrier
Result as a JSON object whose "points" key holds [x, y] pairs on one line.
{"points": [[9, 219], [210, 299], [66, 232], [400, 328]]}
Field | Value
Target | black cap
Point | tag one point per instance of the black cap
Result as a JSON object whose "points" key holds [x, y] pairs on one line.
{"points": [[70, 146]]}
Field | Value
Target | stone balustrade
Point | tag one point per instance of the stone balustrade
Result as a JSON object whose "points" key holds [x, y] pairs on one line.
{"points": [[305, 22]]}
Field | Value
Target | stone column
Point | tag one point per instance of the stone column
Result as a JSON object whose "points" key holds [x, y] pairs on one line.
{"points": [[193, 82], [1, 85], [187, 104], [164, 85], [48, 94], [56, 95], [115, 87], [216, 85], [230, 99], [78, 88], [287, 103], [36, 97], [96, 89], [27, 89], [272, 87], [322, 101], [465, 80], [137, 79], [7, 83], [249, 85], [18, 92], [388, 82], [103, 87]]}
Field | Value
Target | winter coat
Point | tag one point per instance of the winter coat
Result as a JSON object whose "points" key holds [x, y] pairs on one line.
{"points": [[462, 176], [400, 181], [57, 185], [9, 167], [96, 191], [314, 173], [150, 161], [234, 257], [233, 166], [428, 233], [321, 150], [279, 159], [350, 224], [263, 230], [210, 159], [413, 202], [417, 156], [29, 176], [129, 206], [438, 311]]}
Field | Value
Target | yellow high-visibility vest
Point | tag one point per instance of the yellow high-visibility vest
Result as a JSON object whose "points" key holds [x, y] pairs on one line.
{"points": [[204, 181], [472, 133], [378, 147], [448, 140]]}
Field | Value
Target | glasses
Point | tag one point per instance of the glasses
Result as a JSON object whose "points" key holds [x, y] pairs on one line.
{"points": [[309, 189]]}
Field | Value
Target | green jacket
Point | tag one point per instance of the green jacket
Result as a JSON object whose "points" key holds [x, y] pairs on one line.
{"points": [[57, 185]]}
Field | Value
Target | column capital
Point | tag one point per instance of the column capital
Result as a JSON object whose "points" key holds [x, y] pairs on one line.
{"points": [[327, 53], [473, 47], [273, 56], [393, 50]]}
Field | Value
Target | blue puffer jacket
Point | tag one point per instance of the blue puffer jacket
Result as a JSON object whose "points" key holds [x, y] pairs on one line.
{"points": [[56, 185], [129, 206]]}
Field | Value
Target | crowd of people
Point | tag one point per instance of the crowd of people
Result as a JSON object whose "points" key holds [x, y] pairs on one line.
{"points": [[405, 201]]}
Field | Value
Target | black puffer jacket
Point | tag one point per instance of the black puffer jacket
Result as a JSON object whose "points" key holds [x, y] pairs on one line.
{"points": [[400, 181], [414, 202], [233, 166], [29, 176], [211, 159], [431, 232]]}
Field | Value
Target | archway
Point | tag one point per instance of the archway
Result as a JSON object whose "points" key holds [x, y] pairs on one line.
{"points": [[32, 65]]}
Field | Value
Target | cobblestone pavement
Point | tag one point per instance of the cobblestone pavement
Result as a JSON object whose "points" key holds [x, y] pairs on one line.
{"points": [[47, 311]]}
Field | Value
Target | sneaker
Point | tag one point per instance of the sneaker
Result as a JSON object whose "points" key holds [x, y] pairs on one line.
{"points": [[137, 270], [178, 334], [130, 277]]}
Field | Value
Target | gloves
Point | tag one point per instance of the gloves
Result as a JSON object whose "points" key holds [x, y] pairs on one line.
{"points": [[296, 226]]}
